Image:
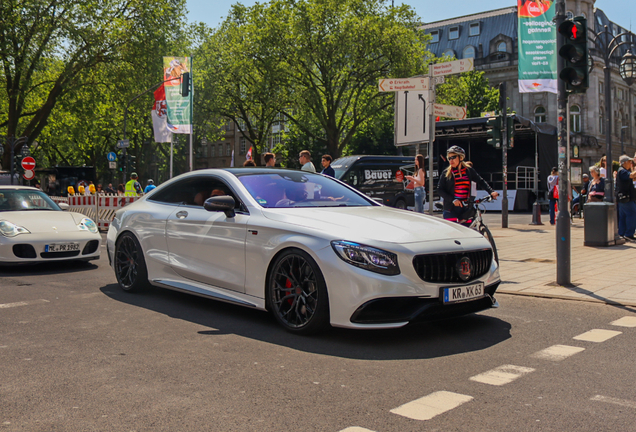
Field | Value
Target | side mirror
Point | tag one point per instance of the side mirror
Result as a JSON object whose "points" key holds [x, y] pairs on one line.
{"points": [[63, 206], [222, 203]]}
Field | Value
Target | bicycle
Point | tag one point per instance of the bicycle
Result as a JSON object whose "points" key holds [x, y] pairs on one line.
{"points": [[476, 222]]}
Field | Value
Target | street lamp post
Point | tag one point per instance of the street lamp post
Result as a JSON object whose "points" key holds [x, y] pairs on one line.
{"points": [[13, 142]]}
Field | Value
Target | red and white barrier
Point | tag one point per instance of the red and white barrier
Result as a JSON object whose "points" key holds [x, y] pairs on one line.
{"points": [[100, 208]]}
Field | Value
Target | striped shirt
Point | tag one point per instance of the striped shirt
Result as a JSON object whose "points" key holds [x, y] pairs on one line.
{"points": [[462, 183]]}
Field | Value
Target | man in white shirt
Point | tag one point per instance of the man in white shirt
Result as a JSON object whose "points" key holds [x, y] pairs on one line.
{"points": [[305, 160]]}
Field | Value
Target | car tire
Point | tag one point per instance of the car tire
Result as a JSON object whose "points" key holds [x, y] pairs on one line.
{"points": [[400, 204], [130, 265], [297, 293]]}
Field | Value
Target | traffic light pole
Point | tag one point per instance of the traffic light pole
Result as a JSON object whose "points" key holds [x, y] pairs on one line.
{"points": [[504, 154], [563, 252]]}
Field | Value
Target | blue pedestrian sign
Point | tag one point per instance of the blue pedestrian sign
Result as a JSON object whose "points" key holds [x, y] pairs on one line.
{"points": [[112, 157]]}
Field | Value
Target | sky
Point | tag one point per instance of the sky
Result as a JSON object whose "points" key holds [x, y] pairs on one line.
{"points": [[212, 12]]}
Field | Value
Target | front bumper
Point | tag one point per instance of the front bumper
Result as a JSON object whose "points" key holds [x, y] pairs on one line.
{"points": [[30, 248]]}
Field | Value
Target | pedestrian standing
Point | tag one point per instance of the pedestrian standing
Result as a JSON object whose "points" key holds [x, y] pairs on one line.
{"points": [[419, 183], [305, 160], [151, 186], [626, 198], [326, 166], [596, 186], [133, 188], [553, 193], [270, 160], [109, 189], [602, 163]]}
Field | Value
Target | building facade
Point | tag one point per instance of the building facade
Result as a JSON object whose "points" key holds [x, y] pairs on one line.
{"points": [[491, 39]]}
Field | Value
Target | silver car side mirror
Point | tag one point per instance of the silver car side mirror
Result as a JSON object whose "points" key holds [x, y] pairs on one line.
{"points": [[222, 203], [63, 206]]}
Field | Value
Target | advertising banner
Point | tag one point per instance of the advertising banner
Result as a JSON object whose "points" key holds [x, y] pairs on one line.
{"points": [[178, 107], [159, 114], [537, 46]]}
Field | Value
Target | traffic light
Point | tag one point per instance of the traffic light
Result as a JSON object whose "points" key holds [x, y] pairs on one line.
{"points": [[185, 84], [132, 163], [121, 159], [510, 131], [494, 131], [576, 70]]}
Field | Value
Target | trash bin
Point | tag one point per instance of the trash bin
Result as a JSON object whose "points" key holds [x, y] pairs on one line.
{"points": [[600, 220]]}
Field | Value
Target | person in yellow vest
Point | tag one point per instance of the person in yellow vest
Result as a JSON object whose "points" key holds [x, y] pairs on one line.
{"points": [[133, 188]]}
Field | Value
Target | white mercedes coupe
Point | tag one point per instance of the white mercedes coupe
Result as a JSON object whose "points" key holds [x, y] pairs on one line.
{"points": [[309, 248], [34, 229]]}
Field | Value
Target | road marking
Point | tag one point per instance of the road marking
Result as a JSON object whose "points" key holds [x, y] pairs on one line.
{"points": [[23, 303], [501, 375], [615, 401], [432, 405], [356, 429], [628, 321], [557, 352], [597, 335]]}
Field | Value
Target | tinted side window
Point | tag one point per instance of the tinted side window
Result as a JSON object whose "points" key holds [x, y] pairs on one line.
{"points": [[194, 191]]}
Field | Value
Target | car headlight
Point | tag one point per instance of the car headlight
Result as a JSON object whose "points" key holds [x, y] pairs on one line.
{"points": [[9, 229], [367, 257], [87, 224]]}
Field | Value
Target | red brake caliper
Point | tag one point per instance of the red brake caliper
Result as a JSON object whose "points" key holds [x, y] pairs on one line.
{"points": [[288, 284]]}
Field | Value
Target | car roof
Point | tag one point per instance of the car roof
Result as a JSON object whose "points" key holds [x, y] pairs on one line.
{"points": [[238, 172], [17, 187]]}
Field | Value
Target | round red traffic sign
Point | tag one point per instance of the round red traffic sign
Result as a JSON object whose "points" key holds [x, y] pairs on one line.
{"points": [[29, 174], [28, 163]]}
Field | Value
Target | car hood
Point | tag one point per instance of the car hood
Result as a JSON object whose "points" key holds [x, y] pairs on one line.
{"points": [[44, 221], [384, 224]]}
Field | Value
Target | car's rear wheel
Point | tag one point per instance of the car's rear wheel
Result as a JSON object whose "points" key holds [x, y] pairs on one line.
{"points": [[130, 265], [297, 293], [400, 204]]}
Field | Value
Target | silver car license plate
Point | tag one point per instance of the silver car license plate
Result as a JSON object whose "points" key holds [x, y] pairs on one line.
{"points": [[462, 293], [61, 247]]}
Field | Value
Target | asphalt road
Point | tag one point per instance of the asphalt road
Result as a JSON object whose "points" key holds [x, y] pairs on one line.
{"points": [[78, 354]]}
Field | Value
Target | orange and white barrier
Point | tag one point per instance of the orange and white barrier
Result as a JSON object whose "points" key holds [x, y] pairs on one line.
{"points": [[101, 208]]}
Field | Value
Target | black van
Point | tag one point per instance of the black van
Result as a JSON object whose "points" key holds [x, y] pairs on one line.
{"points": [[381, 177]]}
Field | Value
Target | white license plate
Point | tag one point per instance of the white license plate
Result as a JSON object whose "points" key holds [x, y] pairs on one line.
{"points": [[462, 293], [62, 247]]}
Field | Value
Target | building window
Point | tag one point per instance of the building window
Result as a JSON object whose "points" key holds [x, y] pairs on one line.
{"points": [[212, 150], [621, 94], [501, 47], [539, 114], [204, 150], [228, 150], [473, 29], [449, 53], [243, 146], [435, 36], [575, 118], [469, 52], [453, 33], [276, 139], [601, 87], [241, 124], [601, 122]]}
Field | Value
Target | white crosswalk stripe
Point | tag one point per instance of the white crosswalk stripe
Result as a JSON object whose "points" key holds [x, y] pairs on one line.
{"points": [[557, 352], [502, 375], [22, 303], [628, 321], [597, 335], [432, 405], [356, 429], [615, 401]]}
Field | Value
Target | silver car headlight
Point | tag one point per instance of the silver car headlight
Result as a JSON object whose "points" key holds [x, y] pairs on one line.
{"points": [[87, 224], [9, 229], [367, 257]]}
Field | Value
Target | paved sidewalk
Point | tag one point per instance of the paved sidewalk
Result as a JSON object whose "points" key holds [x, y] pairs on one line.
{"points": [[527, 255]]}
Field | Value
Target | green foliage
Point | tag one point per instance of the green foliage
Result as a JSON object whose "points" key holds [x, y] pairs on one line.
{"points": [[470, 89]]}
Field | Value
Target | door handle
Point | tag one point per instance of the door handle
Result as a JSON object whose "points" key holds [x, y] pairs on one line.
{"points": [[182, 214]]}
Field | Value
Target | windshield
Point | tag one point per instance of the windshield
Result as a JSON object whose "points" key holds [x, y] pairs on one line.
{"points": [[25, 199], [300, 189], [341, 165]]}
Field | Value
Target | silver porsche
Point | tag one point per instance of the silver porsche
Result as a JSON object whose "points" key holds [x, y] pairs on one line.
{"points": [[309, 248]]}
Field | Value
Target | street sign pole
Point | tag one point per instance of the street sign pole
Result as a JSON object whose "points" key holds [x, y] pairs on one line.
{"points": [[563, 218], [431, 138], [504, 155]]}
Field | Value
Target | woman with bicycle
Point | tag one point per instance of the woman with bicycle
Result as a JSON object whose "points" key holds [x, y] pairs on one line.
{"points": [[455, 185]]}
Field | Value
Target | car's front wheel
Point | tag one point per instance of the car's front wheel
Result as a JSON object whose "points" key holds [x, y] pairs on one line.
{"points": [[297, 293], [130, 265]]}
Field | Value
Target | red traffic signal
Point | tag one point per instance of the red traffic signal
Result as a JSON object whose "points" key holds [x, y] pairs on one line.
{"points": [[573, 30]]}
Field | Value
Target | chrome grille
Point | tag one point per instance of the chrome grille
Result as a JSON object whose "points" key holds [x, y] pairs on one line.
{"points": [[442, 267]]}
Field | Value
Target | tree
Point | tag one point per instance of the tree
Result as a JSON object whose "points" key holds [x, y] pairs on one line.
{"points": [[334, 52], [470, 89], [49, 49]]}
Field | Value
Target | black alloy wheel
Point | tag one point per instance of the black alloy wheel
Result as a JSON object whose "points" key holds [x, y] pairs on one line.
{"points": [[297, 293], [130, 266], [483, 230]]}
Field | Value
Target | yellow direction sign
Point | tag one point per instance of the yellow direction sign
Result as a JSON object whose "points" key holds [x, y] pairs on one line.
{"points": [[453, 67], [449, 111], [403, 84]]}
